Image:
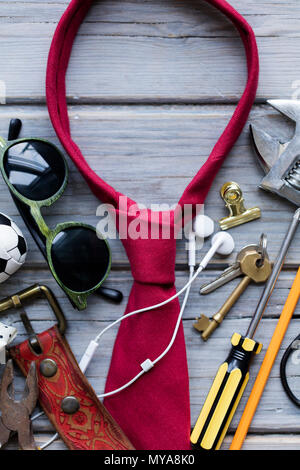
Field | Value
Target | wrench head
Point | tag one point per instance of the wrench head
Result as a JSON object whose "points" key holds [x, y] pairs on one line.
{"points": [[280, 161], [268, 148], [289, 108]]}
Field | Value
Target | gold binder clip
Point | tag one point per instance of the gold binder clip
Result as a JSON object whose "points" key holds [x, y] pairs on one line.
{"points": [[232, 195]]}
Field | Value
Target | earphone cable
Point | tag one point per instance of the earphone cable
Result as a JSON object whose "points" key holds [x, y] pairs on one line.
{"points": [[186, 288], [148, 364]]}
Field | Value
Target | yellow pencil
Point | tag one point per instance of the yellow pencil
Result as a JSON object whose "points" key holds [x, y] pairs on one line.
{"points": [[267, 365]]}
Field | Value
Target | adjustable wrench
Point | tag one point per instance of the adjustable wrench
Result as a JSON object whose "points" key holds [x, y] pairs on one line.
{"points": [[281, 164]]}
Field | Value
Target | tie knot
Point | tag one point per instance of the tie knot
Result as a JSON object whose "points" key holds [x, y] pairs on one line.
{"points": [[152, 261]]}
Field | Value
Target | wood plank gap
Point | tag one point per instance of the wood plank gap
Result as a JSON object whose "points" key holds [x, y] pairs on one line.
{"points": [[124, 101]]}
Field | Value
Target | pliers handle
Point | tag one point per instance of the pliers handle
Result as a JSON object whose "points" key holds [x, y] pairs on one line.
{"points": [[16, 415]]}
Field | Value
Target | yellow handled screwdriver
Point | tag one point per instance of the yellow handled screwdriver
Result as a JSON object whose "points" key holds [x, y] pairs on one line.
{"points": [[225, 394], [233, 375]]}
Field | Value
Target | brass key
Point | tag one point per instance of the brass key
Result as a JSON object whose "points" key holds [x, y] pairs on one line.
{"points": [[256, 267]]}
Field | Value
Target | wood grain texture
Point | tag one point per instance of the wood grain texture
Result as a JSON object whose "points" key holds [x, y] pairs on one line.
{"points": [[254, 442], [151, 86], [135, 52]]}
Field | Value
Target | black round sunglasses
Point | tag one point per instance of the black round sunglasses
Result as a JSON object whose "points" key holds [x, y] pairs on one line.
{"points": [[36, 173]]}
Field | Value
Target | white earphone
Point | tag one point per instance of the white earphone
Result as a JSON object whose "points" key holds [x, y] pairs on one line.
{"points": [[221, 243], [203, 227]]}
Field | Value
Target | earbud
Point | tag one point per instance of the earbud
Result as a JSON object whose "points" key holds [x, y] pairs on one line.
{"points": [[225, 241], [203, 227], [222, 243]]}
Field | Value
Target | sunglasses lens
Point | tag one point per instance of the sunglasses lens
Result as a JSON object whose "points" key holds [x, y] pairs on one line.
{"points": [[36, 169], [80, 259]]}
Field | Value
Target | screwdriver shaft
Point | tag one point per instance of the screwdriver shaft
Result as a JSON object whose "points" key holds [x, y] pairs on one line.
{"points": [[274, 275]]}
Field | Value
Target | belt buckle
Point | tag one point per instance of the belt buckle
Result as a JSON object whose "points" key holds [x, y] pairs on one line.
{"points": [[16, 301]]}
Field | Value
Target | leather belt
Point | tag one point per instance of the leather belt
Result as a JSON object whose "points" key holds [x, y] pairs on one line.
{"points": [[65, 394]]}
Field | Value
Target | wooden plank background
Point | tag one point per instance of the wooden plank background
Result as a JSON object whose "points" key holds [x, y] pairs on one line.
{"points": [[151, 86]]}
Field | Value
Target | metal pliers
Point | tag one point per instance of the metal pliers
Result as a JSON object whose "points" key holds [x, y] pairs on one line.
{"points": [[16, 415]]}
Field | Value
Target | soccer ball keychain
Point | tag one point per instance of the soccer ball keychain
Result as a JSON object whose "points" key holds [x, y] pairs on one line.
{"points": [[13, 251], [13, 248]]}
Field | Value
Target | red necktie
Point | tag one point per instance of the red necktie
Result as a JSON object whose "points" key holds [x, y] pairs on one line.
{"points": [[154, 411]]}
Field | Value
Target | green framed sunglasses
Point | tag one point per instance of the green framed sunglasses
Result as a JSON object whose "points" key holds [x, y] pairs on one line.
{"points": [[36, 174]]}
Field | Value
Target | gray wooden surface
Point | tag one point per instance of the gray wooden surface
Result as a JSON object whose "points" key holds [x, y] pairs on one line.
{"points": [[151, 86]]}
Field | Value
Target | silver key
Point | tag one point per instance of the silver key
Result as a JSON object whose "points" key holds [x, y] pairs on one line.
{"points": [[232, 272]]}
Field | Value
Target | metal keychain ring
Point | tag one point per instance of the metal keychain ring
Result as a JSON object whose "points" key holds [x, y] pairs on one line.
{"points": [[263, 243]]}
